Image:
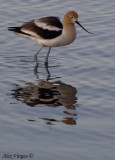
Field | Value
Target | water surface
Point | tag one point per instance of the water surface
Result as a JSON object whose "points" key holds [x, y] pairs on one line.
{"points": [[65, 110]]}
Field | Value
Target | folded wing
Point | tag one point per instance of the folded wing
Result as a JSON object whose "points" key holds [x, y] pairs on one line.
{"points": [[44, 28]]}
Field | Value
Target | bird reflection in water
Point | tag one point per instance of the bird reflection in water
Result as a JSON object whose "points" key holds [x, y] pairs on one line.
{"points": [[52, 94]]}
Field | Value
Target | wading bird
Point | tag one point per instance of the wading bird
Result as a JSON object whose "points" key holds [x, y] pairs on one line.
{"points": [[50, 31]]}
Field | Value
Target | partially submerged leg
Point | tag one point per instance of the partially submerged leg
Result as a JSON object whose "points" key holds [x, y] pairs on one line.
{"points": [[35, 56], [46, 60]]}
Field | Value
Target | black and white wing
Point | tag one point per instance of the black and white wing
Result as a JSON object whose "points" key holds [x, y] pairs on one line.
{"points": [[45, 28]]}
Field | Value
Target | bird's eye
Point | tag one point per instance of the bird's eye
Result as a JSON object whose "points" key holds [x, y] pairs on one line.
{"points": [[71, 17]]}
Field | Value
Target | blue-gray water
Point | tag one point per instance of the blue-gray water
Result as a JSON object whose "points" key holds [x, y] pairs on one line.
{"points": [[65, 111]]}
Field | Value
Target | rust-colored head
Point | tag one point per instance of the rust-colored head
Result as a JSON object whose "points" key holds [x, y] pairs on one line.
{"points": [[70, 17]]}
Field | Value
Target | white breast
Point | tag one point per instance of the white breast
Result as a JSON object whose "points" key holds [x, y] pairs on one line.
{"points": [[67, 37]]}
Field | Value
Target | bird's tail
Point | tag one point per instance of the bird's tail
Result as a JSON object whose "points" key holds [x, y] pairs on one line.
{"points": [[15, 29], [18, 31]]}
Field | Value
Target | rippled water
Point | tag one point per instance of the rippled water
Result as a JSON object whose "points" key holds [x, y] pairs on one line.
{"points": [[66, 110]]}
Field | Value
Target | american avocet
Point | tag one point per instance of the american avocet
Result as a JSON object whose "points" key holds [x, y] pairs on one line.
{"points": [[50, 31]]}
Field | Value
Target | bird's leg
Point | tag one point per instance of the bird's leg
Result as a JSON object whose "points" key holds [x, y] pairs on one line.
{"points": [[48, 76], [46, 60], [35, 56]]}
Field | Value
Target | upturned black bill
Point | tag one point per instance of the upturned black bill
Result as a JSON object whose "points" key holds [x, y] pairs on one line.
{"points": [[83, 27]]}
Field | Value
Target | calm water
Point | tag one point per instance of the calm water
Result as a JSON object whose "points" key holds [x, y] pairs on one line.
{"points": [[67, 110]]}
